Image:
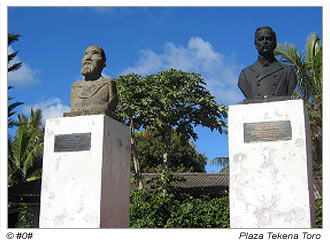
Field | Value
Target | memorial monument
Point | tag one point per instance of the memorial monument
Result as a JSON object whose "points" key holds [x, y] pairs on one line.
{"points": [[85, 180], [267, 79], [269, 147], [95, 94]]}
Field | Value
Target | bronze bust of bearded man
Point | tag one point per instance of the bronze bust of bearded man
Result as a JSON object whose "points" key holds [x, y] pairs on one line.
{"points": [[95, 94], [267, 79]]}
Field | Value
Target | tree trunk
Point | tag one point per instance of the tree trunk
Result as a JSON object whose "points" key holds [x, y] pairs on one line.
{"points": [[167, 146], [135, 156], [165, 155]]}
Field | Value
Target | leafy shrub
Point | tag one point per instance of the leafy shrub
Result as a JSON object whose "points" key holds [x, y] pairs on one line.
{"points": [[25, 216], [151, 209], [203, 212], [318, 213]]}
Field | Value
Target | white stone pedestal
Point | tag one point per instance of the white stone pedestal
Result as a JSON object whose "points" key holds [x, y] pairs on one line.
{"points": [[270, 181], [86, 188]]}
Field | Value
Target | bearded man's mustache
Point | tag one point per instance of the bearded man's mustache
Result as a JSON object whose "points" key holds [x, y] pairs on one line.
{"points": [[87, 63], [87, 69]]}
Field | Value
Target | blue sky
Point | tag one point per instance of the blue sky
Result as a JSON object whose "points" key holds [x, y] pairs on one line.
{"points": [[214, 41]]}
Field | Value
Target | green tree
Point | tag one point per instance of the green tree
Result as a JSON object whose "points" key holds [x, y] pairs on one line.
{"points": [[133, 98], [165, 102], [12, 38], [25, 158], [183, 154], [179, 101], [308, 66]]}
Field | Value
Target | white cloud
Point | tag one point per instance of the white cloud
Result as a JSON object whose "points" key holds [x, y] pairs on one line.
{"points": [[147, 63], [51, 108], [199, 56], [105, 75], [24, 75]]}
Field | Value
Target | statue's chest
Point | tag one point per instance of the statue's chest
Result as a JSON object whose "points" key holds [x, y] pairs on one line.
{"points": [[92, 91]]}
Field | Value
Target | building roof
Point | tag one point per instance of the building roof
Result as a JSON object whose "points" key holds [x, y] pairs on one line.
{"points": [[213, 184], [197, 183]]}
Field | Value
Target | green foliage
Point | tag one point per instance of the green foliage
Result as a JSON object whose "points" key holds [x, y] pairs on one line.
{"points": [[308, 66], [12, 38], [25, 156], [183, 155], [168, 103], [220, 161], [25, 216], [148, 209], [201, 212], [171, 98], [133, 92], [13, 67], [180, 100], [318, 213], [151, 209], [11, 111], [133, 99]]}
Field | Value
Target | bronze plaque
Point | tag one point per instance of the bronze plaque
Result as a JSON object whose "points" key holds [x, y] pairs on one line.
{"points": [[267, 131], [72, 142]]}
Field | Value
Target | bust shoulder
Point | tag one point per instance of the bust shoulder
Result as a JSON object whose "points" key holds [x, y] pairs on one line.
{"points": [[100, 81], [108, 80], [78, 83], [250, 67], [287, 67]]}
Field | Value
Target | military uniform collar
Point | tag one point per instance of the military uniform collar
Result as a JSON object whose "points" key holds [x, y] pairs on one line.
{"points": [[263, 72], [266, 62], [259, 68]]}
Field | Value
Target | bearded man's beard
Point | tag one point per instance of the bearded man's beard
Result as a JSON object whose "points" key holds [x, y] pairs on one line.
{"points": [[88, 69]]}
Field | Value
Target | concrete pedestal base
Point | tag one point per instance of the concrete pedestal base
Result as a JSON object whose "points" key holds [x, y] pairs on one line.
{"points": [[89, 187], [271, 172]]}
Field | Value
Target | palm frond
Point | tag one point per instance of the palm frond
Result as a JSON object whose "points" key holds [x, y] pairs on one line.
{"points": [[12, 38], [26, 149], [308, 68], [220, 161]]}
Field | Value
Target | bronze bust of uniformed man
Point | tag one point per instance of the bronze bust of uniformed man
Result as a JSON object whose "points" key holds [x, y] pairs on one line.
{"points": [[267, 79], [95, 94]]}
